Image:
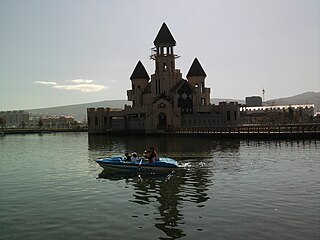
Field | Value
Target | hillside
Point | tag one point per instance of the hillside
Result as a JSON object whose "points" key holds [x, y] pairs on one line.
{"points": [[304, 98], [78, 111]]}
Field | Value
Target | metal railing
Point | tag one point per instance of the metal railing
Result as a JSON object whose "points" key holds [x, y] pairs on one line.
{"points": [[254, 129]]}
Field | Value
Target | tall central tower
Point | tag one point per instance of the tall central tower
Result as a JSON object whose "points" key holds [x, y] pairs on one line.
{"points": [[165, 75]]}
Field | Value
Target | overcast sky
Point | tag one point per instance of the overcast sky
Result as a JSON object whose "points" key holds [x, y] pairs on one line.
{"points": [[65, 52]]}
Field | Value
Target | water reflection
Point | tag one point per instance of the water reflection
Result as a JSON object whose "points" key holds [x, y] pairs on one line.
{"points": [[170, 192], [133, 176], [165, 189], [178, 147], [167, 193]]}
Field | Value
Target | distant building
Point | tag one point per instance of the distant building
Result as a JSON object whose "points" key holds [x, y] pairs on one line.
{"points": [[278, 114], [18, 118], [254, 101], [164, 100], [57, 121]]}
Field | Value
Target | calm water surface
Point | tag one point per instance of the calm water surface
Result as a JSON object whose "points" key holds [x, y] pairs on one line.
{"points": [[51, 188]]}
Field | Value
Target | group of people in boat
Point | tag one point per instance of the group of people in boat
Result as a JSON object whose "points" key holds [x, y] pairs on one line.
{"points": [[149, 154]]}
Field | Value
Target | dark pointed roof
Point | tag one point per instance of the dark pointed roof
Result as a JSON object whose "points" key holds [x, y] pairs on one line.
{"points": [[139, 72], [164, 36], [196, 69]]}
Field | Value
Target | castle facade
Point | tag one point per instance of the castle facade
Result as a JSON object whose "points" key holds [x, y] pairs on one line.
{"points": [[164, 101]]}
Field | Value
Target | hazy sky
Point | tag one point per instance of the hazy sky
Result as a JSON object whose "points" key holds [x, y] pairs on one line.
{"points": [[76, 51]]}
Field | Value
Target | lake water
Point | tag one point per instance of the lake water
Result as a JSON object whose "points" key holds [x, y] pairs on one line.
{"points": [[52, 188]]}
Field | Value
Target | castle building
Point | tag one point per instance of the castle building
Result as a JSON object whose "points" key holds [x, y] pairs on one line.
{"points": [[164, 101]]}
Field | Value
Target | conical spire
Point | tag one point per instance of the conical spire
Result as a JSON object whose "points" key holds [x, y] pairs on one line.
{"points": [[139, 72], [196, 69], [164, 36]]}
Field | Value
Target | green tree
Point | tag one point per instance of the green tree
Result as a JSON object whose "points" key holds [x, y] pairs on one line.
{"points": [[40, 123], [23, 124], [2, 122], [290, 115]]}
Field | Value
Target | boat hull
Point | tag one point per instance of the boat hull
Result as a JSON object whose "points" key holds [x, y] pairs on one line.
{"points": [[118, 163]]}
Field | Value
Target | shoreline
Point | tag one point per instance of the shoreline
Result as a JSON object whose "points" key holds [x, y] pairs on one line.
{"points": [[39, 131], [244, 135], [268, 132]]}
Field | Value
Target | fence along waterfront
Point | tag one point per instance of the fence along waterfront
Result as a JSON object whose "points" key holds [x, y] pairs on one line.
{"points": [[259, 131]]}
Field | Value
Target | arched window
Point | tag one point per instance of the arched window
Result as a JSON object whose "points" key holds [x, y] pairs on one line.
{"points": [[164, 67], [162, 120]]}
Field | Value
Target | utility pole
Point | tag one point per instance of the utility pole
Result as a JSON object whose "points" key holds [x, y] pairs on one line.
{"points": [[263, 92]]}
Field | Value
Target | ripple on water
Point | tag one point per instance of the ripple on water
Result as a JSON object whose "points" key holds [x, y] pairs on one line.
{"points": [[51, 188]]}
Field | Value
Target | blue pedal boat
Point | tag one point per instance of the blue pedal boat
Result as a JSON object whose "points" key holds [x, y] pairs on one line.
{"points": [[119, 163]]}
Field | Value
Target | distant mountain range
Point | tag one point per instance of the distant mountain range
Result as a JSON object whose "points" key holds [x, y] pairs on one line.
{"points": [[304, 98], [79, 111]]}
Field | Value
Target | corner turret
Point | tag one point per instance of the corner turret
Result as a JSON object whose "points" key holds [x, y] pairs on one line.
{"points": [[139, 72], [196, 69], [139, 80], [196, 77]]}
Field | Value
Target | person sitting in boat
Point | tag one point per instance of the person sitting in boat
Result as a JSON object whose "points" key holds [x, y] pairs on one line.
{"points": [[134, 157], [127, 157], [146, 154], [153, 155]]}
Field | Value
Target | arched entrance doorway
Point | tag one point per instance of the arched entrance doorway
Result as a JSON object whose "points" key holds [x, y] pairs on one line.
{"points": [[162, 120]]}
